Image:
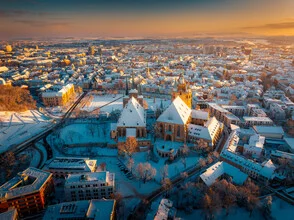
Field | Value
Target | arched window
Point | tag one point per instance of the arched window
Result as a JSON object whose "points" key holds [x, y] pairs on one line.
{"points": [[170, 128], [178, 131]]}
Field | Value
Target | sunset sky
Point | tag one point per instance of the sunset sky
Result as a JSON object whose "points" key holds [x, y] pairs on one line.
{"points": [[121, 18]]}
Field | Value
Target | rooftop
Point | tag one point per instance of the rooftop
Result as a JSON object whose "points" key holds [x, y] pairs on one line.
{"points": [[26, 182], [104, 177], [71, 163], [92, 209], [220, 168]]}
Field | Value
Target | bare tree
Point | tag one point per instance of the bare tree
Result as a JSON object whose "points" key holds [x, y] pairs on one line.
{"points": [[202, 162], [207, 205], [266, 208], [146, 171], [185, 150], [166, 185], [202, 146], [156, 131], [103, 166], [164, 172], [184, 162], [130, 164]]}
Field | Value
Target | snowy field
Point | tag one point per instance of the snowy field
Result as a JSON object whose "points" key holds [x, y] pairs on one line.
{"points": [[101, 100], [92, 151], [85, 133], [16, 127], [117, 103], [174, 169]]}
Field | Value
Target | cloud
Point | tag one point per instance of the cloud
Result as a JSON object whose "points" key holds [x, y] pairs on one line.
{"points": [[281, 25], [34, 23]]}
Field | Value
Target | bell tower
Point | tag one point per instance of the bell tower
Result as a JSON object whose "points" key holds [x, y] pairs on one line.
{"points": [[182, 89]]}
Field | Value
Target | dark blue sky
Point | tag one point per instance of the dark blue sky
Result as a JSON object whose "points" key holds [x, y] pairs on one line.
{"points": [[142, 17]]}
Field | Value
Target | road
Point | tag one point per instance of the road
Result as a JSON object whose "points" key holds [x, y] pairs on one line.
{"points": [[30, 142]]}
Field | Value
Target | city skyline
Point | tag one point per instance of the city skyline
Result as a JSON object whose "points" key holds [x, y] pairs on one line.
{"points": [[38, 18]]}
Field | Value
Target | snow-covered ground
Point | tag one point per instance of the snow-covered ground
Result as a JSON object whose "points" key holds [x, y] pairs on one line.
{"points": [[101, 100], [175, 168], [91, 151], [281, 210], [104, 100], [16, 127], [86, 133]]}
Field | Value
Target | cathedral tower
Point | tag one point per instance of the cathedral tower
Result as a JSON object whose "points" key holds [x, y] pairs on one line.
{"points": [[182, 89]]}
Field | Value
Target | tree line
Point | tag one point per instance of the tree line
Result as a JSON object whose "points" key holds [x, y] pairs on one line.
{"points": [[14, 98]]}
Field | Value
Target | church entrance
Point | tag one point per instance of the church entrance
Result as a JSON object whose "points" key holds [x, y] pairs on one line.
{"points": [[168, 137]]}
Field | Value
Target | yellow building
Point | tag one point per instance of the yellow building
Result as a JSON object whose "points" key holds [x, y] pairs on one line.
{"points": [[181, 89], [8, 48], [60, 98]]}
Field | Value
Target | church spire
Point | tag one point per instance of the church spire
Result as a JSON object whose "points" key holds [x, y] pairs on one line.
{"points": [[127, 86], [139, 89], [133, 80]]}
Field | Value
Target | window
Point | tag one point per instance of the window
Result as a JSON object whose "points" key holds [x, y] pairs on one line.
{"points": [[178, 131]]}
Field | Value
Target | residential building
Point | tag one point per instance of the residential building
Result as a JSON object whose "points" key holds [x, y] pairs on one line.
{"points": [[103, 209], [60, 98], [252, 121], [255, 146], [199, 117], [165, 211], [222, 169], [27, 192], [235, 109], [270, 132], [61, 167], [263, 171], [217, 111], [88, 186], [210, 132]]}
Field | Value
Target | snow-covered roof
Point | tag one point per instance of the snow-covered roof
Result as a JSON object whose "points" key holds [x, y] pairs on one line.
{"points": [[268, 168], [290, 142], [268, 129], [165, 210], [103, 177], [133, 115], [90, 209], [229, 152], [13, 187], [207, 132], [249, 118], [199, 114], [177, 113], [71, 163], [220, 168]]}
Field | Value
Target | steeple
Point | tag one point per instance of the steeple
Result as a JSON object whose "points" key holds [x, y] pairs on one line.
{"points": [[139, 89], [127, 86], [133, 80]]}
